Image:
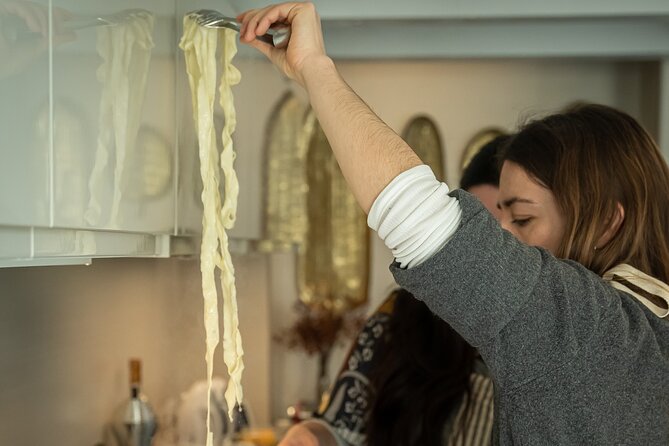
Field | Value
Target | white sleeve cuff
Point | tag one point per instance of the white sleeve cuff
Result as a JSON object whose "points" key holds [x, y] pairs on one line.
{"points": [[415, 216]]}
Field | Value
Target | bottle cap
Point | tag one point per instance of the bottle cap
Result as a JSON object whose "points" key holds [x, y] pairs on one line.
{"points": [[135, 371]]}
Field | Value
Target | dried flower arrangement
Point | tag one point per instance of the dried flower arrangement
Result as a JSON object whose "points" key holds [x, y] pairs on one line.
{"points": [[317, 330]]}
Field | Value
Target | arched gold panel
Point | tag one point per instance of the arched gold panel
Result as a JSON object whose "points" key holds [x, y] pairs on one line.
{"points": [[333, 265], [423, 137], [479, 140], [285, 185], [309, 208]]}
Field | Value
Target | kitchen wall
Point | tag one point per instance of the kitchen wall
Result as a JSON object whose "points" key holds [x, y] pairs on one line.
{"points": [[66, 332]]}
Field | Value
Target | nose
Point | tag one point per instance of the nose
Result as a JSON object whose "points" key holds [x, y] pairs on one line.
{"points": [[505, 223]]}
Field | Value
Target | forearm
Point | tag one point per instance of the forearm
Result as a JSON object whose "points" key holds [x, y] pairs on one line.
{"points": [[370, 154], [309, 433], [323, 434], [415, 217]]}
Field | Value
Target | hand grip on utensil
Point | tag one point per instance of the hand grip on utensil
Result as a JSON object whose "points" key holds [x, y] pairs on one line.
{"points": [[278, 36]]}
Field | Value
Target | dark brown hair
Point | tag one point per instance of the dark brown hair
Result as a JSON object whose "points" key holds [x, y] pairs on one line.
{"points": [[483, 168], [421, 379], [594, 158]]}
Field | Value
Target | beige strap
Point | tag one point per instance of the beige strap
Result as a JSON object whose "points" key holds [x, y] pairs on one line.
{"points": [[651, 292]]}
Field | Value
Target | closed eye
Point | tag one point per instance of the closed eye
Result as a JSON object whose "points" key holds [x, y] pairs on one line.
{"points": [[520, 222]]}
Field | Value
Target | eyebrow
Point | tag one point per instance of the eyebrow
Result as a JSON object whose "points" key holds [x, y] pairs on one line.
{"points": [[514, 200]]}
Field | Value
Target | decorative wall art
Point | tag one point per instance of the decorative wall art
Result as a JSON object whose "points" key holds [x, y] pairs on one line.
{"points": [[285, 185], [333, 262], [423, 137], [310, 209]]}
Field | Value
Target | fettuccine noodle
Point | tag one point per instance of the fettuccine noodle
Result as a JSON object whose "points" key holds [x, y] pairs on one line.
{"points": [[199, 45]]}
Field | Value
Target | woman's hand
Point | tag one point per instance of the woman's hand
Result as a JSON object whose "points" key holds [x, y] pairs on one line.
{"points": [[308, 433], [306, 39]]}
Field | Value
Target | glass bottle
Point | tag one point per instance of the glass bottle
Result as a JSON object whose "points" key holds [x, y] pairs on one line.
{"points": [[135, 422]]}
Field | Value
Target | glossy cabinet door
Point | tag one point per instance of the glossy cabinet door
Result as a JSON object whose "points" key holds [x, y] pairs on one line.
{"points": [[114, 136], [88, 134], [98, 133], [25, 153]]}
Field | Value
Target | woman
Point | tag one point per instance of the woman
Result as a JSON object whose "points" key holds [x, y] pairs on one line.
{"points": [[576, 358], [391, 392]]}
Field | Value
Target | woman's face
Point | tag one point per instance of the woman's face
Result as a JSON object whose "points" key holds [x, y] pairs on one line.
{"points": [[528, 209]]}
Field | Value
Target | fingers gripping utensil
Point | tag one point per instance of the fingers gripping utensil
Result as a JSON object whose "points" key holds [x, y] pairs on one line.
{"points": [[277, 36]]}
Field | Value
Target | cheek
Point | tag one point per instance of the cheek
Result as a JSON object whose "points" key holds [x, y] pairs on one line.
{"points": [[526, 234], [553, 240], [538, 233], [544, 235], [534, 236], [553, 233]]}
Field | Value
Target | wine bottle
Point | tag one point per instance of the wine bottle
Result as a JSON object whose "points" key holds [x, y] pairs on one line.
{"points": [[135, 422]]}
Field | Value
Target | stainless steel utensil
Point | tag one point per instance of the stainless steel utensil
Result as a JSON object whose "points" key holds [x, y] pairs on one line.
{"points": [[103, 20], [277, 36], [13, 28]]}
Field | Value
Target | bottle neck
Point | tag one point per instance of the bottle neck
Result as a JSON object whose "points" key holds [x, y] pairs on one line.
{"points": [[135, 377]]}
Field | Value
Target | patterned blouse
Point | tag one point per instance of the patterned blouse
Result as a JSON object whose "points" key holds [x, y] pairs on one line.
{"points": [[345, 412]]}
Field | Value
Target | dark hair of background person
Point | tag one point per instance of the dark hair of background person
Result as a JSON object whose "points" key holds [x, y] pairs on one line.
{"points": [[421, 379], [423, 373], [592, 157], [483, 167]]}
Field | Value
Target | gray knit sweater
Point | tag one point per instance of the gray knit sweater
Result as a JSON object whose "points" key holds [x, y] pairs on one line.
{"points": [[574, 361]]}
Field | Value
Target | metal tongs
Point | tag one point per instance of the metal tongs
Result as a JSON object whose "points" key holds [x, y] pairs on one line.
{"points": [[208, 18]]}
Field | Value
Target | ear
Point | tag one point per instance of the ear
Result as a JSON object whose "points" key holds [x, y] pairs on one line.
{"points": [[613, 225]]}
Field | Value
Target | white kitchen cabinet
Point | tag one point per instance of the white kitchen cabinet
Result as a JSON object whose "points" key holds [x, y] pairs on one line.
{"points": [[56, 125], [24, 148], [91, 114], [67, 194]]}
